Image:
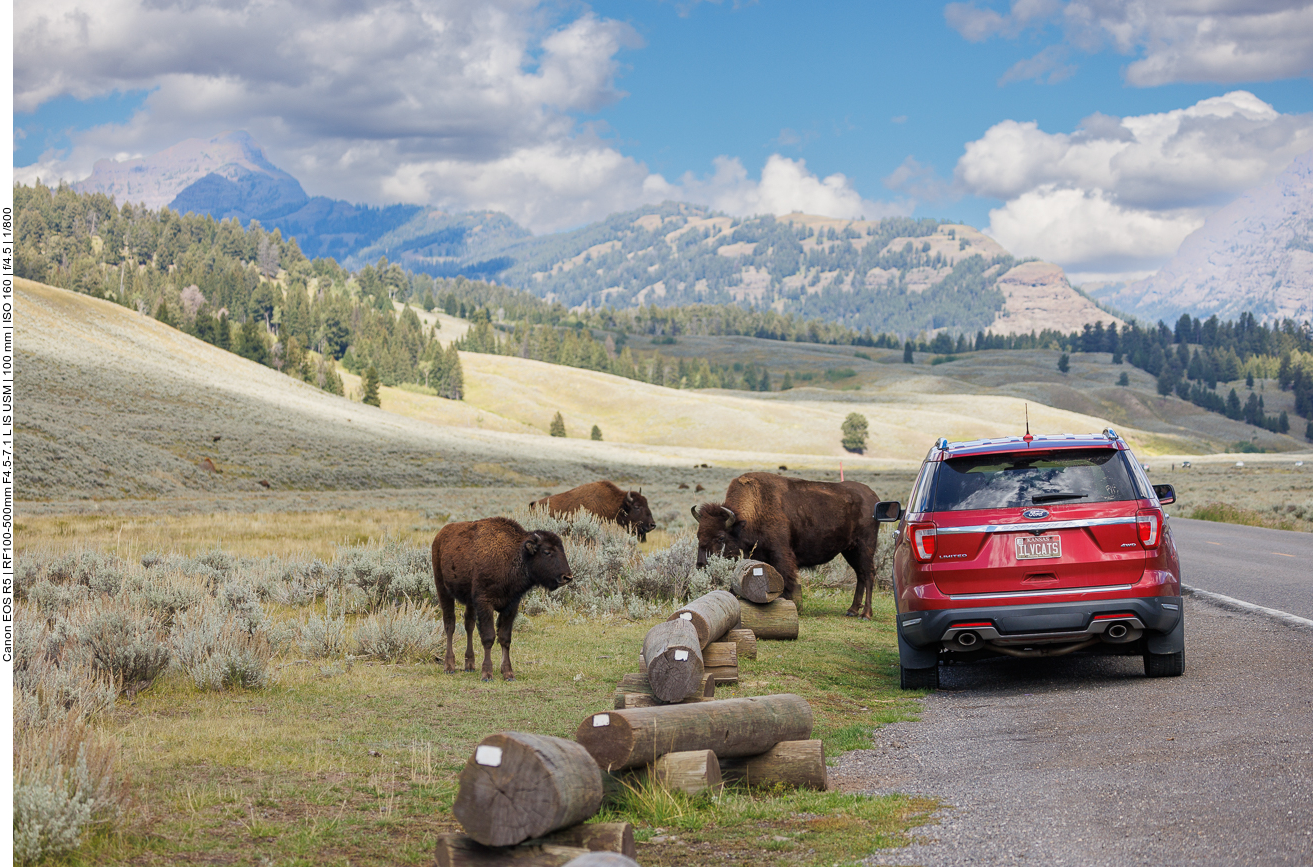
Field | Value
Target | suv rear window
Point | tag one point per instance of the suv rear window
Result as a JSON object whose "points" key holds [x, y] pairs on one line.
{"points": [[1025, 479]]}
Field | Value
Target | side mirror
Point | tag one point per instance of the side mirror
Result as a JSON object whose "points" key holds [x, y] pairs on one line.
{"points": [[1166, 494], [890, 510]]}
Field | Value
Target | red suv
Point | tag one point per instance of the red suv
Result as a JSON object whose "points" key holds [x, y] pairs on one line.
{"points": [[1035, 546]]}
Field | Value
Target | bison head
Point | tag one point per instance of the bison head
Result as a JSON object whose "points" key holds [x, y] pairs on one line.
{"points": [[544, 557], [720, 532], [634, 513]]}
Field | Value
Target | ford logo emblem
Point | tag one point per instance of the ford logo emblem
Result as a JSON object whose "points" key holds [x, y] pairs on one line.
{"points": [[1035, 513]]}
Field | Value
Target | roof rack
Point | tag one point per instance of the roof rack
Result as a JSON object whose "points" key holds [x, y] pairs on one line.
{"points": [[1110, 433]]}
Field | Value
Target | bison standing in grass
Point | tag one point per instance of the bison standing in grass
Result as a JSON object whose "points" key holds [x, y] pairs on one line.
{"points": [[629, 509], [488, 566], [793, 523]]}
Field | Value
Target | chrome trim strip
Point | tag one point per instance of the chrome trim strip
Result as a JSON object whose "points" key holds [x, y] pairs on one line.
{"points": [[1112, 588], [1038, 525]]}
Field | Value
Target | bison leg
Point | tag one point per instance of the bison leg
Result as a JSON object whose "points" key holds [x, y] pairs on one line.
{"points": [[486, 638], [787, 566], [471, 611], [448, 605], [505, 623], [862, 562]]}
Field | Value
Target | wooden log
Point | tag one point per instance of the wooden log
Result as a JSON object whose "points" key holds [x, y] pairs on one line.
{"points": [[746, 639], [720, 659], [730, 728], [639, 683], [776, 621], [796, 764], [712, 615], [603, 859], [725, 675], [459, 850], [691, 771], [674, 659], [757, 582], [634, 690], [595, 837], [631, 700], [517, 786]]}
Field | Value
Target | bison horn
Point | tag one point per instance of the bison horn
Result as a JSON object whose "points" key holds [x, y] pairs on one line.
{"points": [[629, 498], [730, 517], [697, 512]]}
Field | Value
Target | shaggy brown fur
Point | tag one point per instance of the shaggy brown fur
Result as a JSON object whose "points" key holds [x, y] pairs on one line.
{"points": [[792, 523], [488, 566], [629, 509]]}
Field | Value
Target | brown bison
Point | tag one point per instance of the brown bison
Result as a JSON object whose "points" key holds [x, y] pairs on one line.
{"points": [[488, 566], [792, 523], [627, 508]]}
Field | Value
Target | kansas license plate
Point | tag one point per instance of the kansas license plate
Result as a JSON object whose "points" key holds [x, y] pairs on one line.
{"points": [[1038, 547]]}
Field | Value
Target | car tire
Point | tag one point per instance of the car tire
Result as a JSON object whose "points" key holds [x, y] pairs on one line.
{"points": [[918, 678], [1164, 664]]}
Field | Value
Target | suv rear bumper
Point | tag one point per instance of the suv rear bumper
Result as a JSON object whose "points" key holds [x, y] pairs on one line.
{"points": [[1057, 622]]}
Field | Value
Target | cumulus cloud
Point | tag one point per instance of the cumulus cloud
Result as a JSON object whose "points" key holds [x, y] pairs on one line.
{"points": [[1119, 194], [437, 102], [785, 186], [1223, 41]]}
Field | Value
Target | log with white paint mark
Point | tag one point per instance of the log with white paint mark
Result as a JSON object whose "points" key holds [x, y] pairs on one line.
{"points": [[674, 659], [518, 786], [757, 582], [712, 615]]}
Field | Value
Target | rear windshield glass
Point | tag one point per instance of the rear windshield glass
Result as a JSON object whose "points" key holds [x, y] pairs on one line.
{"points": [[1032, 479]]}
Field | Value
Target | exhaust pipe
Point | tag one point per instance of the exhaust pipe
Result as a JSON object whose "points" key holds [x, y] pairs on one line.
{"points": [[1120, 633], [967, 639]]}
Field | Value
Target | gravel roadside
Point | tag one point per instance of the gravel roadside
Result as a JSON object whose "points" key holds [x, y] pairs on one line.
{"points": [[1083, 761]]}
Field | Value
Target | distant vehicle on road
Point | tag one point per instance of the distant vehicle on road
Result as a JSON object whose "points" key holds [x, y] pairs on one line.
{"points": [[1035, 546]]}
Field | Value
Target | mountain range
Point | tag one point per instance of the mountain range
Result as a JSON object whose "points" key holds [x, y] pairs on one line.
{"points": [[893, 275]]}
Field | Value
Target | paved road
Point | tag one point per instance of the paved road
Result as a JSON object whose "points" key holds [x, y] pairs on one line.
{"points": [[1084, 761], [1272, 568]]}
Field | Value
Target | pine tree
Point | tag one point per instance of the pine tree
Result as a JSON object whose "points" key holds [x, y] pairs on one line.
{"points": [[854, 429], [596, 435], [250, 342], [558, 426], [1064, 362], [1123, 379], [370, 384], [163, 316], [907, 353], [787, 382], [454, 389]]}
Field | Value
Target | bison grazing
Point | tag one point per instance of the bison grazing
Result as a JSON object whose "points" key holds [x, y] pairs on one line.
{"points": [[792, 523], [627, 508], [487, 566]]}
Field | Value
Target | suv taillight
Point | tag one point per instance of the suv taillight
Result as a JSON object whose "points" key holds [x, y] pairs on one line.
{"points": [[1149, 524], [923, 540]]}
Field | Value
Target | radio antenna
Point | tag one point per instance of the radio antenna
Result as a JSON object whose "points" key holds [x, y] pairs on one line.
{"points": [[1027, 438]]}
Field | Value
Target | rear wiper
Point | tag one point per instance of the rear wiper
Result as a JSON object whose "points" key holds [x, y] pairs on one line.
{"points": [[1044, 498]]}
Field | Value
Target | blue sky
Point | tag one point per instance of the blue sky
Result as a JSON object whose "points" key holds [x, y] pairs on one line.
{"points": [[559, 113]]}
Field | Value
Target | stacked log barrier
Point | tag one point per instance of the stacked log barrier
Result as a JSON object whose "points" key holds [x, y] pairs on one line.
{"points": [[720, 659], [730, 728], [674, 659], [746, 640], [555, 784], [777, 620], [757, 582], [712, 614], [795, 764]]}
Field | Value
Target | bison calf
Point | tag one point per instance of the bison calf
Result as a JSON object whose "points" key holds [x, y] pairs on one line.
{"points": [[488, 566], [629, 509]]}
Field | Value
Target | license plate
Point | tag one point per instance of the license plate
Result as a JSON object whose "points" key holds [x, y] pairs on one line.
{"points": [[1038, 547]]}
